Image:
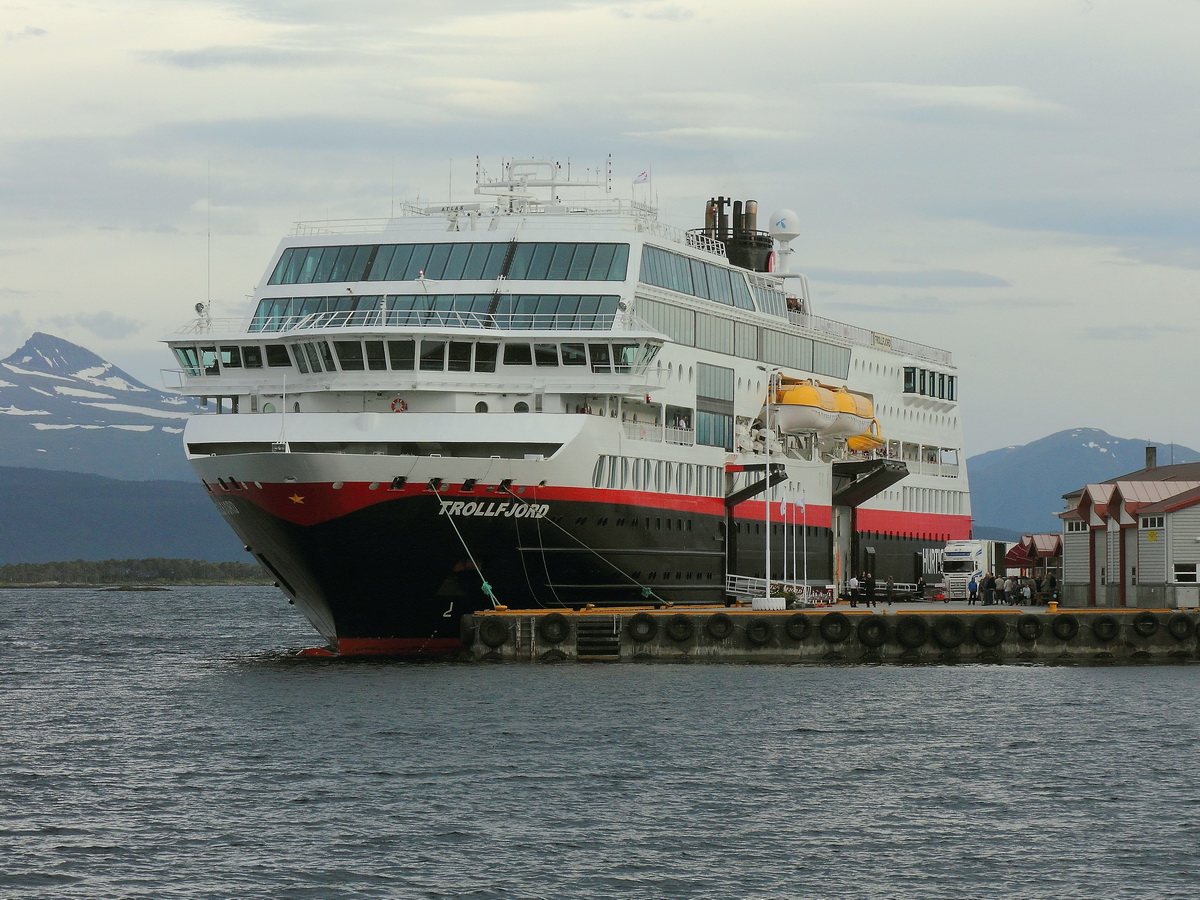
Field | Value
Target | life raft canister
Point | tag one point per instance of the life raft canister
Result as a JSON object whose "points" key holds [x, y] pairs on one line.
{"points": [[399, 405]]}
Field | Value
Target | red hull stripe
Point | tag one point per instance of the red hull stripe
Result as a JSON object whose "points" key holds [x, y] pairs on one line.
{"points": [[398, 646], [313, 503]]}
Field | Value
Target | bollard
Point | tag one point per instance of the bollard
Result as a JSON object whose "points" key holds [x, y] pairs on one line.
{"points": [[1052, 606]]}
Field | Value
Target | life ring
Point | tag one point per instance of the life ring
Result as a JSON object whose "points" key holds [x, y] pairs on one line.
{"points": [[719, 626], [872, 631], [642, 627], [1145, 624], [989, 630], [949, 631], [1181, 626], [1029, 627], [797, 627], [911, 631], [399, 405], [1106, 628], [493, 631], [1065, 627], [680, 628], [554, 628], [835, 627], [759, 631]]}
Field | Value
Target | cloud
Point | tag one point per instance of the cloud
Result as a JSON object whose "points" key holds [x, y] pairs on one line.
{"points": [[106, 325], [1125, 333], [253, 56], [991, 98], [29, 31], [918, 278]]}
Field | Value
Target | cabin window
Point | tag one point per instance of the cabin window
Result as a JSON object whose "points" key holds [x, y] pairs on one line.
{"points": [[301, 360], [573, 355], [188, 359], [350, 355], [545, 354], [231, 357], [433, 356], [208, 361], [402, 354], [459, 356], [910, 379], [600, 357], [376, 359], [277, 356], [485, 356], [517, 355], [252, 357]]}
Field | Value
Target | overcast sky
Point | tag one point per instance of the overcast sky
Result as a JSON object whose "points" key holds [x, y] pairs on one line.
{"points": [[1017, 182]]}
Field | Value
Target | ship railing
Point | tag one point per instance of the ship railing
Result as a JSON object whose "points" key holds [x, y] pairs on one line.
{"points": [[670, 434], [404, 318], [746, 586], [865, 337]]}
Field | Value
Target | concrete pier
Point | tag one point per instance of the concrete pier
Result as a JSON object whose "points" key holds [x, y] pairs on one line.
{"points": [[834, 635]]}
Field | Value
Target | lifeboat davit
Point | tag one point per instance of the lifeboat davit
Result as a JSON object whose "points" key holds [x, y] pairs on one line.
{"points": [[804, 406]]}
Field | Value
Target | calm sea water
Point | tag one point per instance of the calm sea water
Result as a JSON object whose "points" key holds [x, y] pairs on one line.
{"points": [[166, 745]]}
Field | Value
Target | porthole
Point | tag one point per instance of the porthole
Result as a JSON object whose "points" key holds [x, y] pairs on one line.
{"points": [[296, 406], [338, 485], [268, 407], [373, 486], [521, 407], [481, 407]]}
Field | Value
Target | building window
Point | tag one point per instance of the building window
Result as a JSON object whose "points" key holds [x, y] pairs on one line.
{"points": [[1076, 525], [1185, 573], [1152, 521]]}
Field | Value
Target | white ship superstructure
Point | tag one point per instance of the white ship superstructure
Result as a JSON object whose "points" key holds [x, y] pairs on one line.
{"points": [[542, 398]]}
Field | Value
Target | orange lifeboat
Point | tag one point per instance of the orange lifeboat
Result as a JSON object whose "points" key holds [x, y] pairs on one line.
{"points": [[804, 406], [854, 413], [871, 439]]}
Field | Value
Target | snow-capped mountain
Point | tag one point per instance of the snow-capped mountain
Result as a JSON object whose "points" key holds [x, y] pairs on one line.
{"points": [[1019, 489], [64, 408]]}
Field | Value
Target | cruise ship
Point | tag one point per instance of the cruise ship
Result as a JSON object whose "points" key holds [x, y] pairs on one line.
{"points": [[547, 398]]}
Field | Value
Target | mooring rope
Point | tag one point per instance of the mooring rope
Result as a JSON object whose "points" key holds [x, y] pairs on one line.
{"points": [[484, 586]]}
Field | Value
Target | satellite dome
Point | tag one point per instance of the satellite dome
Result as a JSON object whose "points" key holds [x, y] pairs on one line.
{"points": [[785, 226]]}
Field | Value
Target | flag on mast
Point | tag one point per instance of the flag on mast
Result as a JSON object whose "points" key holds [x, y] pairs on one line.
{"points": [[643, 177]]}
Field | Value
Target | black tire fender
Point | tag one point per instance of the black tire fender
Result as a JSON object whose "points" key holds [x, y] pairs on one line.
{"points": [[679, 627], [553, 628], [1181, 627], [1029, 627], [798, 626], [719, 626], [759, 630], [642, 627], [949, 631], [912, 631], [989, 630], [1065, 626], [493, 631], [872, 631], [1106, 628], [835, 627], [1145, 624]]}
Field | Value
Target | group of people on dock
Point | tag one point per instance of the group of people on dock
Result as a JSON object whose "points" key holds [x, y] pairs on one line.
{"points": [[993, 590], [864, 590]]}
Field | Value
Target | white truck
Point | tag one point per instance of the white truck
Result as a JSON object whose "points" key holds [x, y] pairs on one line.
{"points": [[962, 560]]}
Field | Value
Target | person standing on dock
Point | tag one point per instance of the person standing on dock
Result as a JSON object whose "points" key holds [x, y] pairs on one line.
{"points": [[853, 585], [869, 588], [973, 590], [989, 589]]}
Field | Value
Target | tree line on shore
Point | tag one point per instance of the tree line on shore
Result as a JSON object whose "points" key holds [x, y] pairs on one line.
{"points": [[133, 571]]}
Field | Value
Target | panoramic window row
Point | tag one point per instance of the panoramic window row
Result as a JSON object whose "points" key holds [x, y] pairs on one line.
{"points": [[435, 355], [662, 476], [675, 272], [930, 384], [710, 332], [567, 312], [452, 261]]}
